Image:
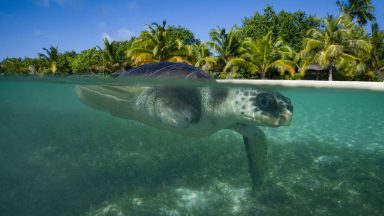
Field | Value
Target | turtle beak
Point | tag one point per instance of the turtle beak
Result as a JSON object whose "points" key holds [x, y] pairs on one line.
{"points": [[285, 118]]}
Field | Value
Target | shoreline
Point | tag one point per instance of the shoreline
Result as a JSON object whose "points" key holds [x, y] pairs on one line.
{"points": [[357, 85]]}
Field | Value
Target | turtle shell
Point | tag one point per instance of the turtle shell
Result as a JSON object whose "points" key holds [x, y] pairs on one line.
{"points": [[166, 70]]}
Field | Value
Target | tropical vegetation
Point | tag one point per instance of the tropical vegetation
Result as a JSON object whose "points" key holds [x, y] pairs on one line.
{"points": [[334, 47], [263, 55], [51, 57], [226, 45], [267, 45], [359, 10]]}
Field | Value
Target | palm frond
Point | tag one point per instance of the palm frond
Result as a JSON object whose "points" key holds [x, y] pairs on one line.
{"points": [[144, 58], [249, 66], [284, 65]]}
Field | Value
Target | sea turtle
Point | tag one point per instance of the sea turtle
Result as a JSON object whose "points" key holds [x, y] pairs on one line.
{"points": [[196, 111]]}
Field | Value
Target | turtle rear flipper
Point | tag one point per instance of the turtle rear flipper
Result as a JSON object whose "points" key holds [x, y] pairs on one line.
{"points": [[256, 147]]}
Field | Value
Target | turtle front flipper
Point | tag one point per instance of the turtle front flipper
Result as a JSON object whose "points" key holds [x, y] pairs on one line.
{"points": [[175, 107], [114, 99], [256, 147]]}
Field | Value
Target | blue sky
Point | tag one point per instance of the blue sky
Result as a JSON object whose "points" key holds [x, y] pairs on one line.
{"points": [[29, 25]]}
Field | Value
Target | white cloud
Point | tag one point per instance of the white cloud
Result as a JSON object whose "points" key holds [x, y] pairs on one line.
{"points": [[121, 34], [106, 35], [124, 34]]}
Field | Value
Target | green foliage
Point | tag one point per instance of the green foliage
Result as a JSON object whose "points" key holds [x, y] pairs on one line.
{"points": [[359, 10], [51, 56], [263, 55], [226, 45], [121, 48], [202, 56], [291, 27], [268, 45], [157, 45], [87, 61], [183, 34], [334, 47], [64, 62], [373, 61], [376, 60], [13, 65], [33, 66], [114, 55]]}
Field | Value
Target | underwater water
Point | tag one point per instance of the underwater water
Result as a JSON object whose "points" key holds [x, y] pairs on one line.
{"points": [[61, 157]]}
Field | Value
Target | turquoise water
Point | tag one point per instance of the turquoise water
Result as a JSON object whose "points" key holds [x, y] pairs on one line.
{"points": [[60, 157]]}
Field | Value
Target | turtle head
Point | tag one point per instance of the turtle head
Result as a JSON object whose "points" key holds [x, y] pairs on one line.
{"points": [[263, 108]]}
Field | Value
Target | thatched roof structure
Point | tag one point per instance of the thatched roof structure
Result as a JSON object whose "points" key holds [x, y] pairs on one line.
{"points": [[316, 67]]}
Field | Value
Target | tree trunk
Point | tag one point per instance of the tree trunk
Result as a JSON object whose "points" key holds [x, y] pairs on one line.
{"points": [[228, 69], [330, 76], [262, 75]]}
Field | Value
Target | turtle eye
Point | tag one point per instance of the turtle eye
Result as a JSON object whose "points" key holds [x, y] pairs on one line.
{"points": [[266, 102]]}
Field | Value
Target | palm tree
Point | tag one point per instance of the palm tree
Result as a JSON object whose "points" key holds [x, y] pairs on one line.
{"points": [[377, 54], [155, 45], [113, 59], [333, 47], [12, 65], [201, 56], [109, 56], [109, 51], [362, 10], [373, 62], [88, 60], [51, 56], [263, 55], [226, 45]]}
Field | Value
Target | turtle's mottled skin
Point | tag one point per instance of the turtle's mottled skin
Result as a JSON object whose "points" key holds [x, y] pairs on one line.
{"points": [[195, 111]]}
